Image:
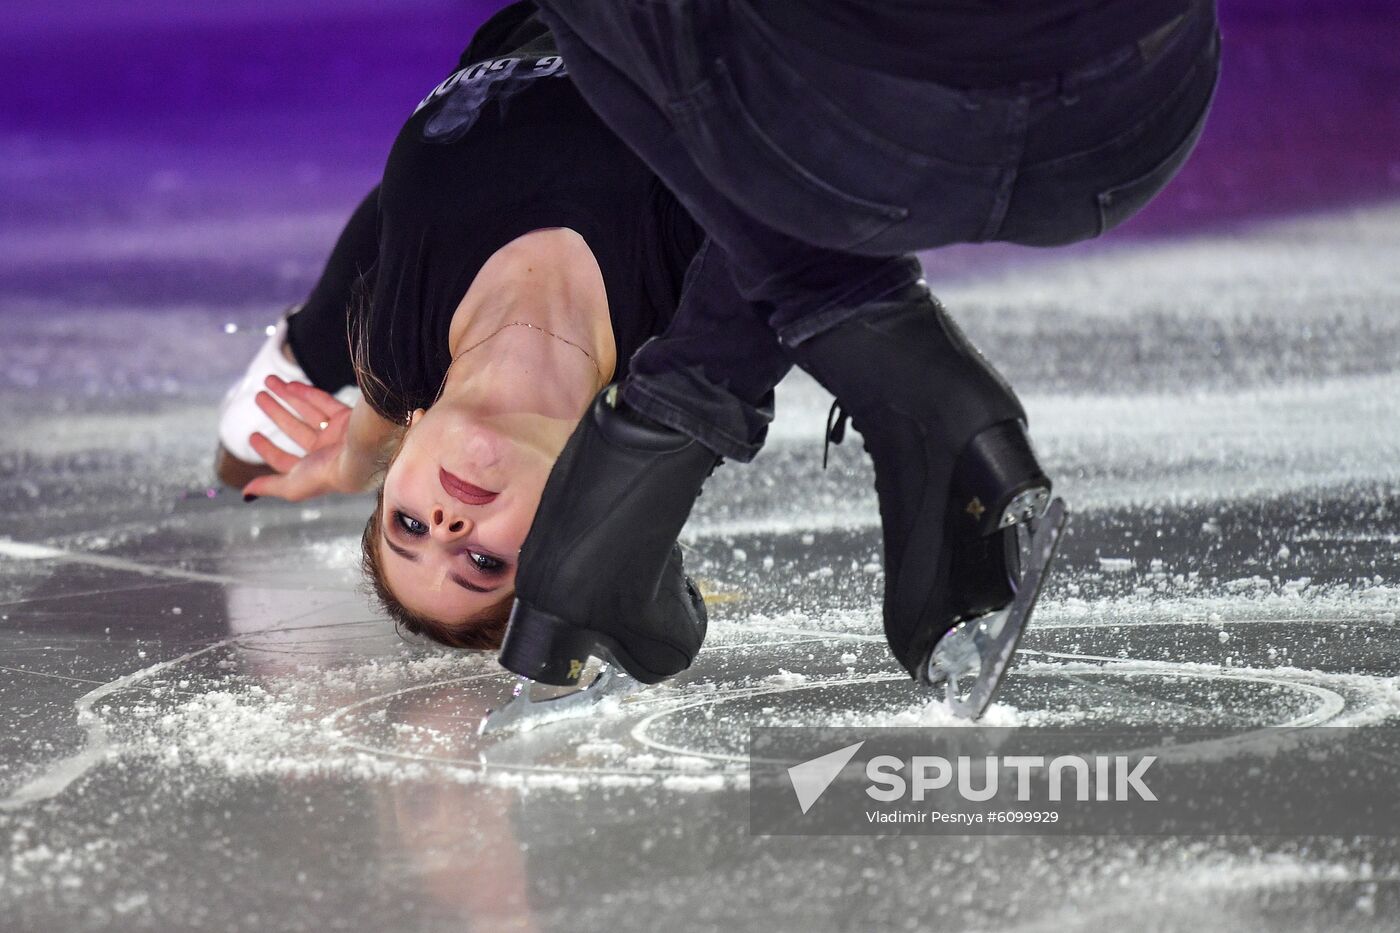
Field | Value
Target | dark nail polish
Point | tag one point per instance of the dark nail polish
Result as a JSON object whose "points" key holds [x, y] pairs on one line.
{"points": [[249, 497]]}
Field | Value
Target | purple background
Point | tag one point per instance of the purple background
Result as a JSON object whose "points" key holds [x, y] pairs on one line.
{"points": [[160, 153]]}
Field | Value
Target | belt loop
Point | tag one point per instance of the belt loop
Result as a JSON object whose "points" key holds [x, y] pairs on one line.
{"points": [[1062, 91], [969, 99], [1150, 46]]}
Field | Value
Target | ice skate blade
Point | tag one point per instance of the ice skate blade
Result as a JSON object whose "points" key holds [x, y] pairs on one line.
{"points": [[980, 649], [523, 712]]}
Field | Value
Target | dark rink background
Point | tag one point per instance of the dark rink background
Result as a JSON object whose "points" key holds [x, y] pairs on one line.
{"points": [[204, 725], [260, 124]]}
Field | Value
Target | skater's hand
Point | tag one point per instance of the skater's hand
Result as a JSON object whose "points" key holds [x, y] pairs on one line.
{"points": [[318, 423]]}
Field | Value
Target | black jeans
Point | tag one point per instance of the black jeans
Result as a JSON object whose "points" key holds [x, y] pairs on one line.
{"points": [[815, 179]]}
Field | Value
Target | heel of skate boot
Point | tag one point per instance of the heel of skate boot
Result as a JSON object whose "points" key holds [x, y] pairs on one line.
{"points": [[986, 569], [997, 482], [545, 648]]}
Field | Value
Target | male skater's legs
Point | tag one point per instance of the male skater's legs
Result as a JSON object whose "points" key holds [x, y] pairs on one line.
{"points": [[812, 175]]}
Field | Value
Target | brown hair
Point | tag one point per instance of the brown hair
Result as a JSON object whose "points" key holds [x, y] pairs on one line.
{"points": [[375, 391], [483, 630]]}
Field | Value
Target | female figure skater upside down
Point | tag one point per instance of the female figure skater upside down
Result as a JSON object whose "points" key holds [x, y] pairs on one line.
{"points": [[513, 258]]}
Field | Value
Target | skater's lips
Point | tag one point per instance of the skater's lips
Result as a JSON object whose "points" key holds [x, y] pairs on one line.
{"points": [[463, 491]]}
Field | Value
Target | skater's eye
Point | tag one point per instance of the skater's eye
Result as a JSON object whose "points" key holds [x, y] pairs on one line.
{"points": [[486, 563], [410, 525]]}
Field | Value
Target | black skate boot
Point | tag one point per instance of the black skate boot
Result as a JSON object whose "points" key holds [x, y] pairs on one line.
{"points": [[964, 507], [600, 572]]}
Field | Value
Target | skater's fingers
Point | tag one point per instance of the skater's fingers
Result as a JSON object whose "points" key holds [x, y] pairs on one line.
{"points": [[319, 399], [276, 486], [276, 457], [294, 427], [287, 392], [300, 395]]}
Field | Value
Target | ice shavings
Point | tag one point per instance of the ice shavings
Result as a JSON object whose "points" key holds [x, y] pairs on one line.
{"points": [[403, 719], [785, 678]]}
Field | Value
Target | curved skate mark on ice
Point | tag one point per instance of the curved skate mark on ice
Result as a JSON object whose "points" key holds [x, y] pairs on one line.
{"points": [[320, 647], [71, 680], [97, 742], [649, 740], [640, 730], [1382, 693], [61, 774], [1049, 608], [21, 550], [482, 765], [1381, 698], [1330, 705]]}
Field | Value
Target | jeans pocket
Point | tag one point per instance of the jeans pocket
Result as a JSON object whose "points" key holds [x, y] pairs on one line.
{"points": [[1122, 201], [779, 188]]}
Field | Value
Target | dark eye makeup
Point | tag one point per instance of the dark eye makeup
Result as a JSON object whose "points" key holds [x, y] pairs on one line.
{"points": [[410, 525], [486, 563], [414, 528]]}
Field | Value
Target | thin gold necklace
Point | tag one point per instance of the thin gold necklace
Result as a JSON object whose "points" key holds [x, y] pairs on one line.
{"points": [[596, 368]]}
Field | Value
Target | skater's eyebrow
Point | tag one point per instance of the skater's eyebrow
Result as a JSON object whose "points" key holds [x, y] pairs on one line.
{"points": [[458, 579], [466, 584], [403, 552]]}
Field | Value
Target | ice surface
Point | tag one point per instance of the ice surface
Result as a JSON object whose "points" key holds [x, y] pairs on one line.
{"points": [[207, 727], [174, 658]]}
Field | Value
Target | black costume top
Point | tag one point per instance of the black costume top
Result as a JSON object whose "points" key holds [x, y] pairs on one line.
{"points": [[503, 146], [969, 43]]}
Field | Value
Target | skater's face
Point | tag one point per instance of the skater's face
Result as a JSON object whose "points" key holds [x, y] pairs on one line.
{"points": [[458, 501]]}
